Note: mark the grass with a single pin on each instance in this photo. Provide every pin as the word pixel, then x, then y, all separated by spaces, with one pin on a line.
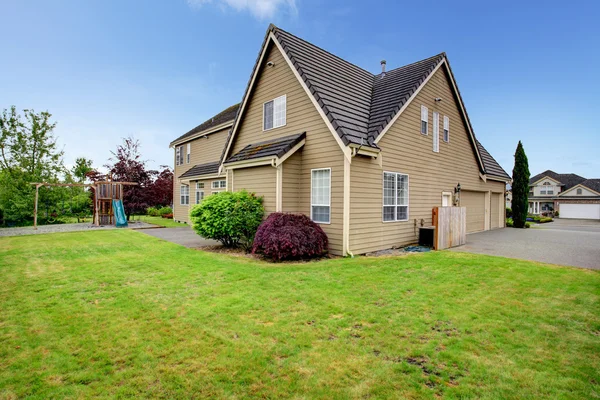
pixel 166 222
pixel 122 314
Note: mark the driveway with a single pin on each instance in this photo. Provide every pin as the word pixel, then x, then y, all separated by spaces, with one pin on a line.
pixel 563 242
pixel 184 236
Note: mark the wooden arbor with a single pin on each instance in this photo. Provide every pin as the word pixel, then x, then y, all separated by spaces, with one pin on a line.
pixel 104 193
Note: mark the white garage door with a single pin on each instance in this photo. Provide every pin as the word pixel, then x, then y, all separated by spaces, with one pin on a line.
pixel 580 211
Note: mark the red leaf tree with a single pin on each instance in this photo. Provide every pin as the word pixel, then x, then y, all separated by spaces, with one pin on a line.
pixel 127 165
pixel 161 190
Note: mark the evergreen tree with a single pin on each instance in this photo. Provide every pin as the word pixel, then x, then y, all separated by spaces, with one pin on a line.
pixel 520 187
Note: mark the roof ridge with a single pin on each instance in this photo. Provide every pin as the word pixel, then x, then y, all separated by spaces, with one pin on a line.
pixel 442 54
pixel 273 27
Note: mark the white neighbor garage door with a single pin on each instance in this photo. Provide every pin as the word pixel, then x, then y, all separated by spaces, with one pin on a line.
pixel 580 211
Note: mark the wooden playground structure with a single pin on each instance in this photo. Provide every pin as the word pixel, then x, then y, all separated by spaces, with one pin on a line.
pixel 104 193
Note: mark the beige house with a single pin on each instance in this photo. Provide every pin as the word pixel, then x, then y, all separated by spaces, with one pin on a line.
pixel 572 195
pixel 367 156
pixel 197 162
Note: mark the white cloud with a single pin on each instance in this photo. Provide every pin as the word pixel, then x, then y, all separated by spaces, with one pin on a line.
pixel 261 9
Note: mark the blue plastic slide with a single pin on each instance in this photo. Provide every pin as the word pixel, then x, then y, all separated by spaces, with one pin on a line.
pixel 120 217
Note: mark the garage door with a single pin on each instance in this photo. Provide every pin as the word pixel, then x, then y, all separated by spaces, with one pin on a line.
pixel 475 203
pixel 495 223
pixel 580 211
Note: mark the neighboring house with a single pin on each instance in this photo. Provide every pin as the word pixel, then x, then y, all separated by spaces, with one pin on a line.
pixel 367 156
pixel 509 198
pixel 197 161
pixel 572 195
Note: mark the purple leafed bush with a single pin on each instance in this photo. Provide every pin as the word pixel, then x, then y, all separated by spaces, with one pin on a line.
pixel 289 237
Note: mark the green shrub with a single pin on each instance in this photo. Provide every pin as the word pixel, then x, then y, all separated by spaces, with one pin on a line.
pixel 509 222
pixel 508 212
pixel 152 211
pixel 544 220
pixel 527 225
pixel 165 210
pixel 232 218
pixel 556 213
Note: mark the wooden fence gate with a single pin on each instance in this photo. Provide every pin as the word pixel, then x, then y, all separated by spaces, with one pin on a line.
pixel 450 227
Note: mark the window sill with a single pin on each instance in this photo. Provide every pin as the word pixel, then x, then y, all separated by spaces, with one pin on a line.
pixel 275 127
pixel 396 220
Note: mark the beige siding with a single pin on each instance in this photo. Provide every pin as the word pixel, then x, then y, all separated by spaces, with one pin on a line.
pixel 181 212
pixel 406 150
pixel 320 151
pixel 292 170
pixel 203 150
pixel 259 180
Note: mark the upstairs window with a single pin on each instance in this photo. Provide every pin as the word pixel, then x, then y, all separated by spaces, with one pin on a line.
pixel 579 191
pixel 189 150
pixel 424 119
pixel 395 197
pixel 219 185
pixel 320 204
pixel 274 113
pixel 446 129
pixel 179 155
pixel 199 185
pixel 184 193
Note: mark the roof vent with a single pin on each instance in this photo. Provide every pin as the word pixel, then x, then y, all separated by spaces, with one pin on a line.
pixel 383 66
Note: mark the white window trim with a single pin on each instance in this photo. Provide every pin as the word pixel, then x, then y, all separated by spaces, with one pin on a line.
pixel 263 113
pixel 199 185
pixel 197 193
pixel 218 184
pixel 436 132
pixel 396 205
pixel 311 196
pixel 181 196
pixel 189 151
pixel 447 194
pixel 177 154
pixel 446 128
pixel 424 110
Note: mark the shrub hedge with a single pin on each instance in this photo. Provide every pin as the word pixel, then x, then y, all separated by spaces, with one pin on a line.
pixel 290 237
pixel 229 217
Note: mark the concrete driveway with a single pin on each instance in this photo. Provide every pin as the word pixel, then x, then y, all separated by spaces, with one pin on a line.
pixel 564 242
pixel 184 236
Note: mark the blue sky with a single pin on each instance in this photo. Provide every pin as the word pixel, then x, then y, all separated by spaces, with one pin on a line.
pixel 155 69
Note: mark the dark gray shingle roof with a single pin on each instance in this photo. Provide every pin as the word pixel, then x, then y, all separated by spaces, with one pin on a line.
pixel 357 103
pixel 593 184
pixel 226 115
pixel 567 180
pixel 393 89
pixel 490 164
pixel 202 169
pixel 271 148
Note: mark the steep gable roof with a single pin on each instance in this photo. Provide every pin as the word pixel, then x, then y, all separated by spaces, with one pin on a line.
pixel 224 116
pixel 357 105
pixel 392 89
pixel 567 180
pixel 490 164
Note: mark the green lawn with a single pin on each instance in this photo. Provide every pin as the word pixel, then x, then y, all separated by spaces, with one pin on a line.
pixel 122 314
pixel 166 222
